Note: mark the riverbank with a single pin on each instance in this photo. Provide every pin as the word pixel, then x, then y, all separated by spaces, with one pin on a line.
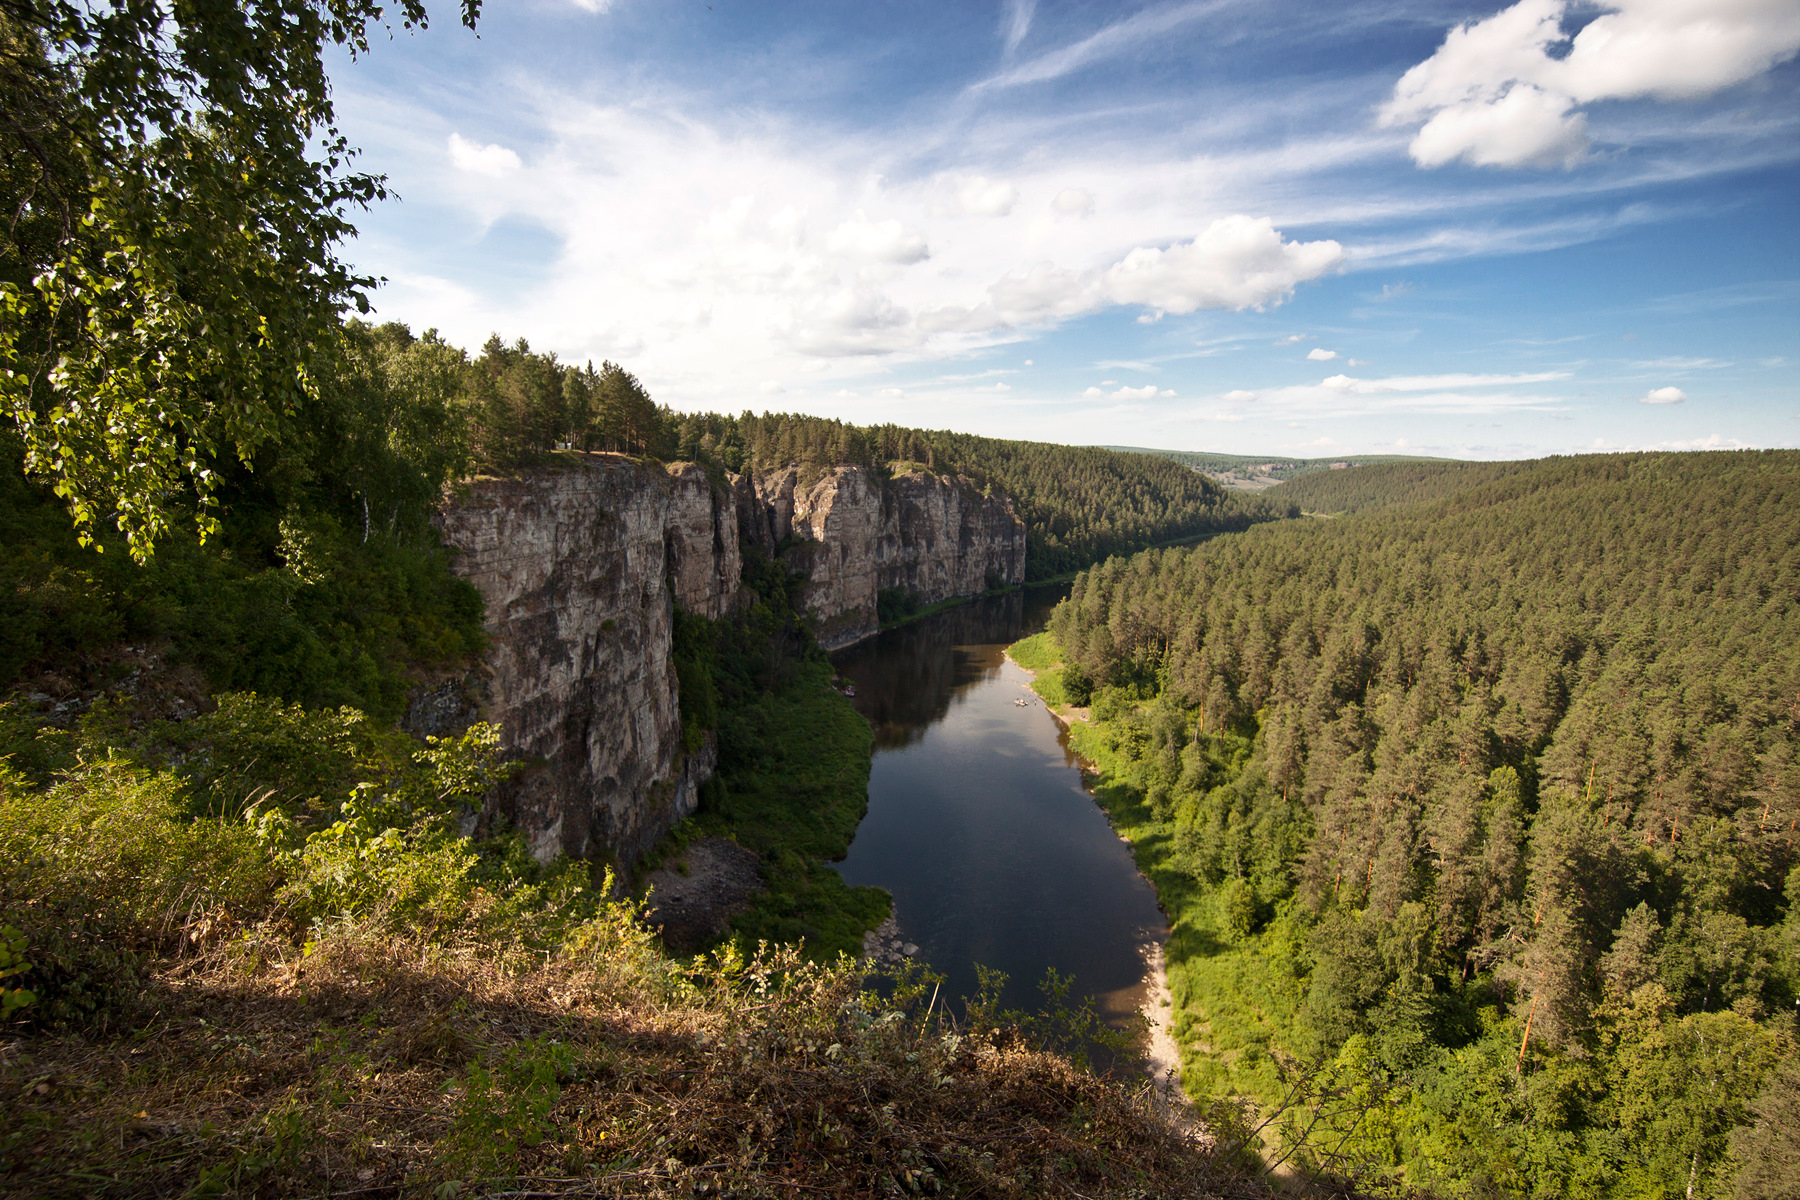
pixel 1037 657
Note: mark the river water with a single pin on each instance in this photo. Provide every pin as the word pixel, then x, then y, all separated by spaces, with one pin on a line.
pixel 978 822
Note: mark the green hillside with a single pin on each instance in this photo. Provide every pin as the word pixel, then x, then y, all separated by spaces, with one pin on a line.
pixel 1255 472
pixel 1478 813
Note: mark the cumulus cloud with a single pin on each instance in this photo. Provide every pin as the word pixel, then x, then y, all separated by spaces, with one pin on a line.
pixel 757 254
pixel 1238 262
pixel 1320 354
pixel 1294 339
pixel 1073 202
pixel 1663 395
pixel 1507 91
pixel 494 161
pixel 878 241
pixel 1524 127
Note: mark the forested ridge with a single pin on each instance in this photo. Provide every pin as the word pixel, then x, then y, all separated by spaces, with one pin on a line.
pixel 1480 810
pixel 1079 503
pixel 1378 485
pixel 1279 467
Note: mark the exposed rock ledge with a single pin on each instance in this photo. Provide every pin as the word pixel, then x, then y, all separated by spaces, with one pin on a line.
pixel 581 567
pixel 856 534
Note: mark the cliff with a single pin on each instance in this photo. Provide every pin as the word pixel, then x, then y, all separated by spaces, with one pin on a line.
pixel 855 535
pixel 580 568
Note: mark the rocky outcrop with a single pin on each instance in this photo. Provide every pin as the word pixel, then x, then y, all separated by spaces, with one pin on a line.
pixel 580 568
pixel 856 534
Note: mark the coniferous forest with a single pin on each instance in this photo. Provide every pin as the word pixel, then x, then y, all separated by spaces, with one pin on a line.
pixel 1475 811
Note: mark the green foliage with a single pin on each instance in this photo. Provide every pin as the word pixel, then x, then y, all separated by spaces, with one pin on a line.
pixel 793 771
pixel 1490 790
pixel 1039 652
pixel 123 857
pixel 692 651
pixel 287 604
pixel 171 270
pixel 505 1106
pixel 895 604
pixel 105 867
pixel 1381 484
pixel 13 963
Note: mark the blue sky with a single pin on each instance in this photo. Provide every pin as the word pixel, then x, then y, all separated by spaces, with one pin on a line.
pixel 1253 226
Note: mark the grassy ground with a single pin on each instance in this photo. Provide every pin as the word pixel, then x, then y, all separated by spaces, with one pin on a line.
pixel 282 1004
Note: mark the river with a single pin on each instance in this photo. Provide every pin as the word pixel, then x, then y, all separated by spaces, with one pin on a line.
pixel 978 822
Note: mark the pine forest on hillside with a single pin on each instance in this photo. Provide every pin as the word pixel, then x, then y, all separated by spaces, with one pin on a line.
pixel 1482 802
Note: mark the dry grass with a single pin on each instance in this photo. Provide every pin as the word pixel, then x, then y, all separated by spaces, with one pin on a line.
pixel 374 1068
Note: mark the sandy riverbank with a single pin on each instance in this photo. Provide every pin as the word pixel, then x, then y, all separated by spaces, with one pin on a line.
pixel 1162 1058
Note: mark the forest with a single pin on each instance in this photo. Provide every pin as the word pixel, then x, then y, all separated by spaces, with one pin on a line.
pixel 1079 504
pixel 1475 810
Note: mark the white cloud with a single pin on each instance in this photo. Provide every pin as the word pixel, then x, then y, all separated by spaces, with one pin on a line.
pixel 980 196
pixel 1507 91
pixel 1110 41
pixel 1432 383
pixel 1294 338
pixel 1681 363
pixel 1663 395
pixel 1524 127
pixel 594 6
pixel 1015 23
pixel 1344 396
pixel 1073 202
pixel 1320 354
pixel 1148 392
pixel 494 161
pixel 1238 262
pixel 878 241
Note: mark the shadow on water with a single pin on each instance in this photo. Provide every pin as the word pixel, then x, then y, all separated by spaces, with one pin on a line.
pixel 906 678
pixel 978 822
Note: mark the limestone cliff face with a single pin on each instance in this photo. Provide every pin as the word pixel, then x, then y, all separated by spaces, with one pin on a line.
pixel 580 568
pixel 856 534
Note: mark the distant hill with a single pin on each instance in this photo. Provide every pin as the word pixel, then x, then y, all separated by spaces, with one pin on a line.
pixel 1381 484
pixel 1254 473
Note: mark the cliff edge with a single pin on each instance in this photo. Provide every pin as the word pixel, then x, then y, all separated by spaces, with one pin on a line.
pixel 581 565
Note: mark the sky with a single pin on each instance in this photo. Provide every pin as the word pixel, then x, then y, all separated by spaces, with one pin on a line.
pixel 1244 226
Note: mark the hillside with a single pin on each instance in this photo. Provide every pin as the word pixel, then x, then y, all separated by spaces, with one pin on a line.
pixel 1377 485
pixel 1480 808
pixel 1255 473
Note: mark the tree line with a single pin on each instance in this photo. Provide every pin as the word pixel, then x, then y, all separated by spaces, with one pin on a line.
pixel 1495 796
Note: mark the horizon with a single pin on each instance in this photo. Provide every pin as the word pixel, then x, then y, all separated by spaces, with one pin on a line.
pixel 1429 229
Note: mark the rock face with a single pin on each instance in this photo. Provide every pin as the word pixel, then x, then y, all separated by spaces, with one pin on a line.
pixel 856 535
pixel 580 568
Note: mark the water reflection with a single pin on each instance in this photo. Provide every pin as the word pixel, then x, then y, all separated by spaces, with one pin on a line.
pixel 978 822
pixel 907 678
